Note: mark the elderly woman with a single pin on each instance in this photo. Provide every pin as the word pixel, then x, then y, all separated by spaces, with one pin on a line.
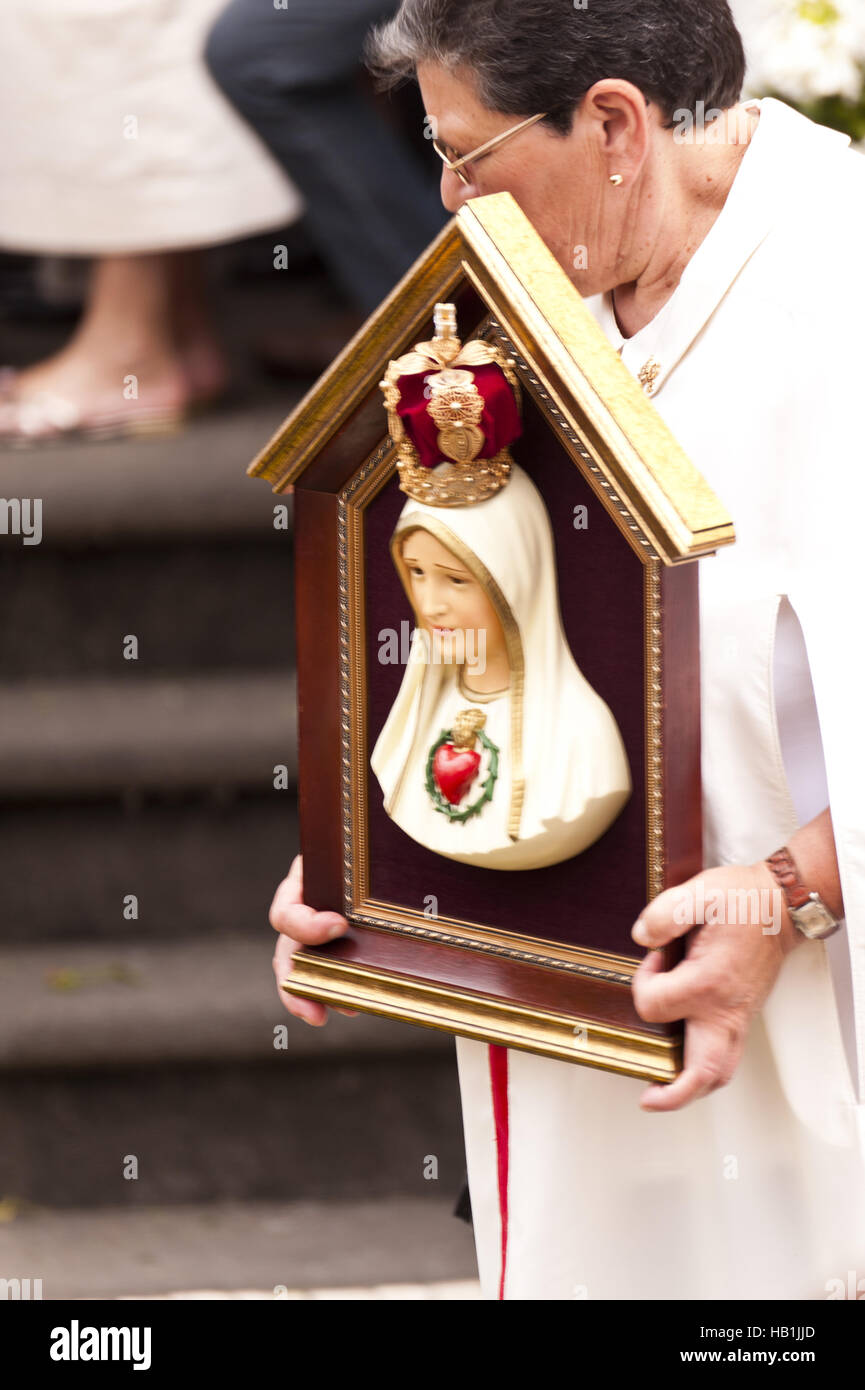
pixel 720 251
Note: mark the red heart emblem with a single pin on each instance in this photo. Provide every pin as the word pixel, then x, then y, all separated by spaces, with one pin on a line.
pixel 454 770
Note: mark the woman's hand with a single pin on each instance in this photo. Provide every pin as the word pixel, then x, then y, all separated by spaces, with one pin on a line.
pixel 299 925
pixel 731 963
pixel 735 947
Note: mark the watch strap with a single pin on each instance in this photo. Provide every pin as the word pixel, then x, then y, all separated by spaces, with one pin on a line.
pixel 785 871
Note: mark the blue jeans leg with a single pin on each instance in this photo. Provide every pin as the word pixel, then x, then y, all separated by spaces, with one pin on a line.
pixel 293 74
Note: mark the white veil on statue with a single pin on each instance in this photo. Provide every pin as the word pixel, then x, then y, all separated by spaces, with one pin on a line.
pixel 563 774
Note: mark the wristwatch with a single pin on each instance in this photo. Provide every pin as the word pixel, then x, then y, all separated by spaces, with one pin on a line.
pixel 809 913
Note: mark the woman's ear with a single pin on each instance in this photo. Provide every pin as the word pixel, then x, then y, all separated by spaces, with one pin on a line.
pixel 620 123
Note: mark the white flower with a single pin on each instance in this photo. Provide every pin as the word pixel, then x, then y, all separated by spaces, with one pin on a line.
pixel 807 49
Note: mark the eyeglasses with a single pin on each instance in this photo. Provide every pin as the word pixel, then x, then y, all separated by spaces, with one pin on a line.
pixel 456 165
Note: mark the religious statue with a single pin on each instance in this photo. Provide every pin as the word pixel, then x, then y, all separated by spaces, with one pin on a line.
pixel 496 752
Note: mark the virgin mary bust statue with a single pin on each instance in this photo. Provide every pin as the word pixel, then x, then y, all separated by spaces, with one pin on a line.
pixel 496 752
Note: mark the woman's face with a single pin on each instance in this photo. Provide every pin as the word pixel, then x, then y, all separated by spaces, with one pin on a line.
pixel 561 182
pixel 450 602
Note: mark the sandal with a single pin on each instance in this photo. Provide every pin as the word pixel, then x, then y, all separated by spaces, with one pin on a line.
pixel 46 418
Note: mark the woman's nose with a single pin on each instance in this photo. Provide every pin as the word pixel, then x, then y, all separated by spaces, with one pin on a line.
pixel 454 192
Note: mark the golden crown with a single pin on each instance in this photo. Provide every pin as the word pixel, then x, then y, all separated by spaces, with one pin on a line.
pixel 452 435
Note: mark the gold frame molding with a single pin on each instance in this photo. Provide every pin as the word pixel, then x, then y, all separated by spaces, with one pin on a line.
pixel 658 500
pixel 370 478
pixel 492 243
pixel 484 1018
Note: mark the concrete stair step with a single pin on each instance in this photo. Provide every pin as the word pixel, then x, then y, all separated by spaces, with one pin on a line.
pixel 275 1248
pixel 89 738
pixel 204 865
pixel 166 1055
pixel 343 1125
pixel 192 483
pixel 193 605
pixel 142 1003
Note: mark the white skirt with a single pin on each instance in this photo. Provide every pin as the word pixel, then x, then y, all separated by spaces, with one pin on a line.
pixel 115 138
pixel 757 1191
pixel 578 1194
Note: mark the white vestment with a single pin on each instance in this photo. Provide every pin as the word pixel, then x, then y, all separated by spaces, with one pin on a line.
pixel 756 1191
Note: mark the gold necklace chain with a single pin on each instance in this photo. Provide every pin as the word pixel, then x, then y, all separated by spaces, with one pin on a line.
pixel 482 696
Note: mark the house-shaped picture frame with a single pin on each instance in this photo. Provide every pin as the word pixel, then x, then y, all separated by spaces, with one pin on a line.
pixel 539 958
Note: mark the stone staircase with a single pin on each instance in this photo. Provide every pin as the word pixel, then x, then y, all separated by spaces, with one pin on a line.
pixel 141 838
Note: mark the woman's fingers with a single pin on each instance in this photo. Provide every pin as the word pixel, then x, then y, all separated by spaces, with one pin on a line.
pixel 291 916
pixel 665 996
pixel 307 1009
pixel 300 925
pixel 288 893
pixel 712 1054
pixel 308 927
pixel 669 915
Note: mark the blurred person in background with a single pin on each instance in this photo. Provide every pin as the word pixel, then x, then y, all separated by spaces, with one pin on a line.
pixel 294 72
pixel 119 147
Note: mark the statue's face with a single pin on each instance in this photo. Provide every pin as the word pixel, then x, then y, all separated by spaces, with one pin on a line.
pixel 449 600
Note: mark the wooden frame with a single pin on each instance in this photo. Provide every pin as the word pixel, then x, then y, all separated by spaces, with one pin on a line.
pixel 531 979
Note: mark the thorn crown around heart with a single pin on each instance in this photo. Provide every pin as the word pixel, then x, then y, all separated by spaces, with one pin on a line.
pixel 453 764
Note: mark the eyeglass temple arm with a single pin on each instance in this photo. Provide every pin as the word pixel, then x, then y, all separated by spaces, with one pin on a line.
pixel 496 140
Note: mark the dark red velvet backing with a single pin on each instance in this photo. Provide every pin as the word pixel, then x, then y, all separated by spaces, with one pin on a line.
pixel 593 899
pixel 500 421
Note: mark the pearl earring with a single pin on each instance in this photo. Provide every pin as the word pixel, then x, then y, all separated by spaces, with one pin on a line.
pixel 617 179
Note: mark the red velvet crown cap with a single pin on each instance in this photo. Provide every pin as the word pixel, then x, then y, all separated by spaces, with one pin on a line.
pixel 500 421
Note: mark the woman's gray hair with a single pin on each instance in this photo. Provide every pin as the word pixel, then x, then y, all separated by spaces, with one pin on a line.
pixel 544 55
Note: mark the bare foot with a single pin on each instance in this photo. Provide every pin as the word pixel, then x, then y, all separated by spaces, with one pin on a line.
pixel 74 389
pixel 143 353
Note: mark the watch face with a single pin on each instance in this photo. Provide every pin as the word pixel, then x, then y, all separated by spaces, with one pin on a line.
pixel 814 919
